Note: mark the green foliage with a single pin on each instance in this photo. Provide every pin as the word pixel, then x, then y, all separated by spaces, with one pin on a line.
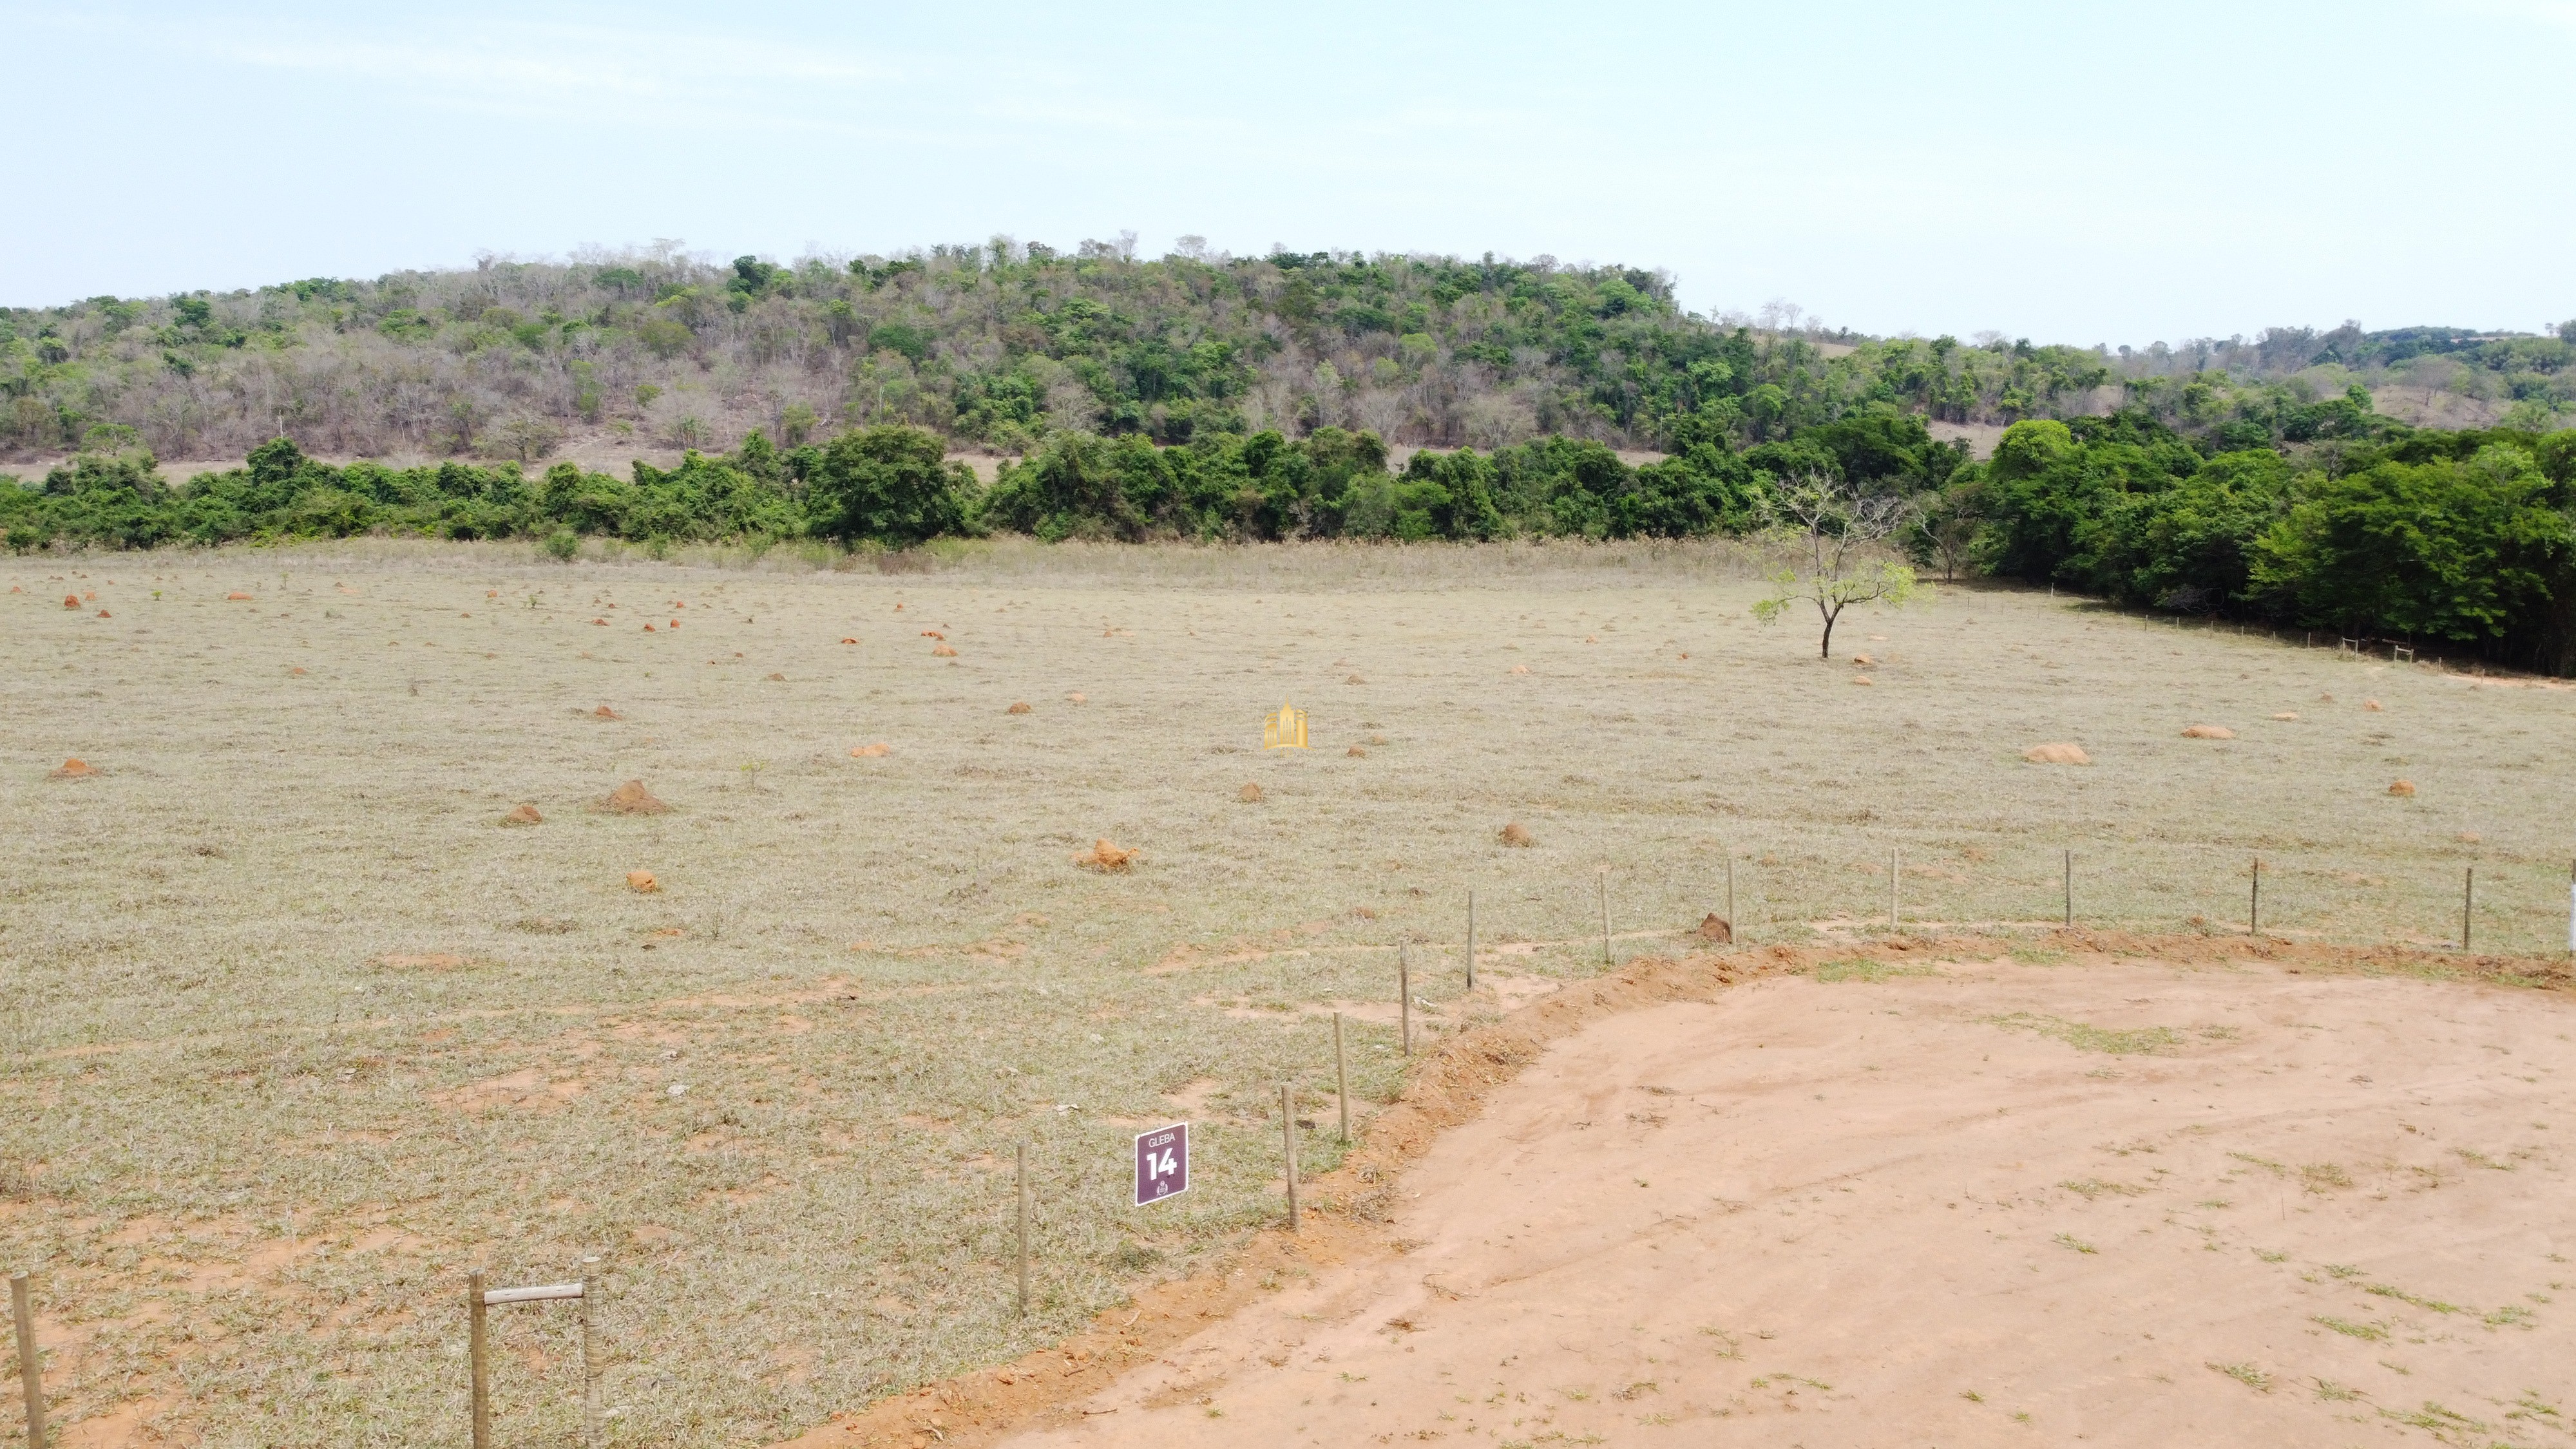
pixel 2437 550
pixel 890 485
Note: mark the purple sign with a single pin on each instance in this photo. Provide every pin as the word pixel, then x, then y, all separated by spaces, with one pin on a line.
pixel 1162 1163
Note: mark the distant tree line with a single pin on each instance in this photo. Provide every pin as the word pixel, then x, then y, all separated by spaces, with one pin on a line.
pixel 1001 345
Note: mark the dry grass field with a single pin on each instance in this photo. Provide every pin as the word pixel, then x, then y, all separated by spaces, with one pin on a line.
pixel 293 1030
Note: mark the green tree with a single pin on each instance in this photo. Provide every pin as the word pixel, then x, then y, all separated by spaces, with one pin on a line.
pixel 2440 550
pixel 890 484
pixel 1834 540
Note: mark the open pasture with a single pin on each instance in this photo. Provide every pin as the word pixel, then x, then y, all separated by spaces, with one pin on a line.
pixel 296 1030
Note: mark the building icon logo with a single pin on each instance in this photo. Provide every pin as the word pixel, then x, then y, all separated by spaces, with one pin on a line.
pixel 1285 730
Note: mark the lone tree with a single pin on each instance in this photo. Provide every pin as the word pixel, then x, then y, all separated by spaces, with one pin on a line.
pixel 1835 541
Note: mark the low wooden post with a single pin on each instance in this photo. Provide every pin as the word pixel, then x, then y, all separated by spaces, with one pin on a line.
pixel 1471 940
pixel 2254 902
pixel 1020 1158
pixel 1606 958
pixel 31 1373
pixel 589 1355
pixel 1342 1077
pixel 475 1350
pixel 1404 994
pixel 2070 890
pixel 1288 1134
pixel 2468 898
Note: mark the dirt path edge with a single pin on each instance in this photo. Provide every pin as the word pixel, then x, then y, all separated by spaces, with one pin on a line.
pixel 1346 1211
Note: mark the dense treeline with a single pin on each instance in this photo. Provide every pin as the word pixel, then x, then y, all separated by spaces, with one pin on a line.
pixel 2465 538
pixel 1001 345
pixel 2332 517
pixel 1208 397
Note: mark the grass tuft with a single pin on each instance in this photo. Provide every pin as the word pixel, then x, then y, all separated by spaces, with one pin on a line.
pixel 2145 1040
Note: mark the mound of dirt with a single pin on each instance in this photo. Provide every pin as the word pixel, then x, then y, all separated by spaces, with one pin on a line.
pixel 1863 679
pixel 1018 706
pixel 1717 929
pixel 849 641
pixel 1105 856
pixel 2208 732
pixel 1520 669
pixel 2287 714
pixel 1250 794
pixel 1077 697
pixel 632 798
pixel 776 678
pixel 604 712
pixel 71 601
pixel 237 598
pixel 1354 679
pixel 2371 704
pixel 2061 752
pixel 1357 753
pixel 942 651
pixel 1516 834
pixel 870 752
pixel 74 769
pixel 2402 788
pixel 104 614
pixel 1862 659
pixel 932 634
pixel 2325 699
pixel 642 882
pixel 523 815
pixel 298 669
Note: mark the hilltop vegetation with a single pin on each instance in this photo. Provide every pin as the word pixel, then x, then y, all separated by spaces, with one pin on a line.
pixel 998 346
pixel 1215 398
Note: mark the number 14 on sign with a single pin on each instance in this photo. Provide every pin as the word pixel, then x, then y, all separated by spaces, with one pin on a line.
pixel 1162 1163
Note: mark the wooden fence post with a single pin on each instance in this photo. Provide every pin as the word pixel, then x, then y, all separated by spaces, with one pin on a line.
pixel 1342 1077
pixel 31 1373
pixel 1404 993
pixel 589 1355
pixel 1731 927
pixel 1471 940
pixel 1288 1132
pixel 475 1354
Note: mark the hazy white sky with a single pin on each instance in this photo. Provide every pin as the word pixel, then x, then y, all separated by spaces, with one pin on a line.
pixel 2069 172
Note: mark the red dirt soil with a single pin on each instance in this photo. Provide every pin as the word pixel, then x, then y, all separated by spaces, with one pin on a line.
pixel 1837 1211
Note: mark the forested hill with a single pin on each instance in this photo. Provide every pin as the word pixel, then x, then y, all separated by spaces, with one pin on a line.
pixel 997 346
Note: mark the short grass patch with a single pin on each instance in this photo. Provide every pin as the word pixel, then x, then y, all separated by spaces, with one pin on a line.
pixel 1861 968
pixel 2085 1037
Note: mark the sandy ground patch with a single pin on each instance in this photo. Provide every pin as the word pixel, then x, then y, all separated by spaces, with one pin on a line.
pixel 2129 1204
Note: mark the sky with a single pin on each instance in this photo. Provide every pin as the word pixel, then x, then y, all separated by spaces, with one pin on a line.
pixel 2080 173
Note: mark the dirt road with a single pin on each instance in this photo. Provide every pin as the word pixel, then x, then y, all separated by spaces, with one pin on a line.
pixel 2123 1204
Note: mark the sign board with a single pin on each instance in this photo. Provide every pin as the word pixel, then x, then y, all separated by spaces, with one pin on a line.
pixel 1162 1163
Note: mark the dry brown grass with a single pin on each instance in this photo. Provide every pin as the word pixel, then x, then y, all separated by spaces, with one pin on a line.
pixel 202 1034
